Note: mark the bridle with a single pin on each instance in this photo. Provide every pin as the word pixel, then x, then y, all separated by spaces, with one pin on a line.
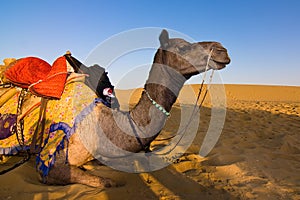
pixel 163 110
pixel 196 105
pixel 203 80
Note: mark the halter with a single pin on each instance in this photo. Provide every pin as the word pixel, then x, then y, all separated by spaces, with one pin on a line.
pixel 163 110
pixel 196 105
pixel 203 80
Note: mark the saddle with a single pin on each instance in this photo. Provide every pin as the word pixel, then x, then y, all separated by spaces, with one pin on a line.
pixel 39 77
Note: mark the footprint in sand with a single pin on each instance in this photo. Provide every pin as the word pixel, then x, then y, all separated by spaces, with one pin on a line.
pixel 290 146
pixel 222 160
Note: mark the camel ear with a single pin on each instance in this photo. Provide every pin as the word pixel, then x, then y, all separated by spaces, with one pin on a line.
pixel 164 39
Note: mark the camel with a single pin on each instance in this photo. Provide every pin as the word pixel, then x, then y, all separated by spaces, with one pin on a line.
pixel 175 61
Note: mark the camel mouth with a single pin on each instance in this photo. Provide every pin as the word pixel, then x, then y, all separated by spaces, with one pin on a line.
pixel 219 65
pixel 224 61
pixel 220 58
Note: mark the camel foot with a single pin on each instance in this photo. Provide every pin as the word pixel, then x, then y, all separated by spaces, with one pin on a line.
pixel 66 174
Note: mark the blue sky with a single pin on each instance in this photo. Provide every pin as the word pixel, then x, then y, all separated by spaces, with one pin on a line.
pixel 262 36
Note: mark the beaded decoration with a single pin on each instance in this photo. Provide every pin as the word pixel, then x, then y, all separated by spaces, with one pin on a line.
pixel 158 106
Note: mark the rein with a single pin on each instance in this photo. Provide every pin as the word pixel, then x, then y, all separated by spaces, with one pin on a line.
pixel 196 105
pixel 158 106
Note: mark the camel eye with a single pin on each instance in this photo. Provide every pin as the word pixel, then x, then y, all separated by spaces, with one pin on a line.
pixel 185 48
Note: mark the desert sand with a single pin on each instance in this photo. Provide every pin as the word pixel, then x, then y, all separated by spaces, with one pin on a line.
pixel 256 157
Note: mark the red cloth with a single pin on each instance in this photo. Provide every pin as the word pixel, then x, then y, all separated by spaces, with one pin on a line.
pixel 26 71
pixel 53 84
pixel 37 75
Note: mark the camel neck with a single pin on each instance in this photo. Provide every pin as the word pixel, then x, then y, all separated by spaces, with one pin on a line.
pixel 163 86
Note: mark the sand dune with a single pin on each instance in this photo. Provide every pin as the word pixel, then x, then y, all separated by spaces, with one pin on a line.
pixel 256 157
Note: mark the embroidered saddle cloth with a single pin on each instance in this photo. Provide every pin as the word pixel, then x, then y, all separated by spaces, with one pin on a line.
pixel 6 123
pixel 75 98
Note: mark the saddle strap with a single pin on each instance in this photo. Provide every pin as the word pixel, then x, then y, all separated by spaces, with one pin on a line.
pixel 19 126
pixel 7 93
pixel 37 139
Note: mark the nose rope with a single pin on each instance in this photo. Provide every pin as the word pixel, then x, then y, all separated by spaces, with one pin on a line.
pixel 203 80
pixel 207 64
pixel 184 130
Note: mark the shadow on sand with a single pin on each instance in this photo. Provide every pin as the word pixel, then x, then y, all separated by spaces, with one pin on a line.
pixel 262 145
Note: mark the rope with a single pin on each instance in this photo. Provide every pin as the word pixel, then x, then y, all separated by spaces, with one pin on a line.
pixel 183 132
pixel 37 137
pixel 19 126
pixel 18 129
pixel 195 106
pixel 39 81
pixel 6 85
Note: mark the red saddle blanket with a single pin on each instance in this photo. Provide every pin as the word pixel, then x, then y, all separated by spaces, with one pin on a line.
pixel 38 76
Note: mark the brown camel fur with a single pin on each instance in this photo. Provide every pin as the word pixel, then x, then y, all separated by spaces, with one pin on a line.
pixel 175 61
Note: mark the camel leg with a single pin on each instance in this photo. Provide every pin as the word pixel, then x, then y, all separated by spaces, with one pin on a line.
pixel 71 174
pixel 63 174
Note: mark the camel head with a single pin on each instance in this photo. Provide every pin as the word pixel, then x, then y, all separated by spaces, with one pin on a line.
pixel 190 58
